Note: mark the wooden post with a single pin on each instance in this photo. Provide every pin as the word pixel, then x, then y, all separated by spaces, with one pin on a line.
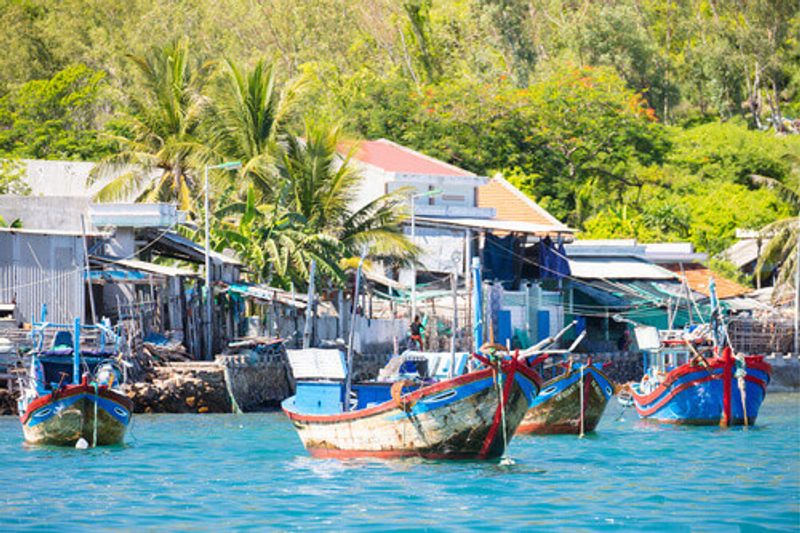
pixel 454 289
pixel 352 336
pixel 340 324
pixel 309 307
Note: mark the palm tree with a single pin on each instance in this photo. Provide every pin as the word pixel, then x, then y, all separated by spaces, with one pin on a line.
pixel 160 148
pixel 782 235
pixel 271 240
pixel 245 111
pixel 320 185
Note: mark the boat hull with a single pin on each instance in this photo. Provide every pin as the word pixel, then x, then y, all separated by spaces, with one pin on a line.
pixel 557 409
pixel 64 417
pixel 460 418
pixel 696 395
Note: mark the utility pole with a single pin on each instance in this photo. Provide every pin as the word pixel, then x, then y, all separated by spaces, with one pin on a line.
pixel 309 307
pixel 454 289
pixel 231 165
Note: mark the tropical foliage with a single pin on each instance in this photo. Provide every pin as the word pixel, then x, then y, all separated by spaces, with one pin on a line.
pixel 642 118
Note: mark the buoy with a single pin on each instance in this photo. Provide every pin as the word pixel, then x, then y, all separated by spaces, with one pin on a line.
pixel 82 444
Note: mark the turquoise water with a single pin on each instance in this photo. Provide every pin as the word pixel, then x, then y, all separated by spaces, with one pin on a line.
pixel 212 472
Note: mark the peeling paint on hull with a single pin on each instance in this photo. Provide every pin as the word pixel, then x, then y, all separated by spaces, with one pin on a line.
pixel 465 425
pixel 559 411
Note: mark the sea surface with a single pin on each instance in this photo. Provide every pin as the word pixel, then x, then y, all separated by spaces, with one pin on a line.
pixel 215 472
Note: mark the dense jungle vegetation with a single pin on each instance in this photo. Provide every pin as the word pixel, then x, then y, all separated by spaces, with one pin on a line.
pixel 655 119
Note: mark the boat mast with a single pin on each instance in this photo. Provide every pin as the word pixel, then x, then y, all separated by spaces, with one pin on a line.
pixel 76 353
pixel 477 309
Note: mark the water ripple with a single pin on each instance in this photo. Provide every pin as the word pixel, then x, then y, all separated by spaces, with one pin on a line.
pixel 209 472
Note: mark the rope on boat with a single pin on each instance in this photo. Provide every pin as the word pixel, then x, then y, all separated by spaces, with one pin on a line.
pixel 94 428
pixel 229 388
pixel 581 435
pixel 498 381
pixel 740 374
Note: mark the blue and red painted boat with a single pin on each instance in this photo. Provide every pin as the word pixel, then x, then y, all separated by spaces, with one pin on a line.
pixel 71 392
pixel 574 399
pixel 722 390
pixel 570 403
pixel 693 377
pixel 469 415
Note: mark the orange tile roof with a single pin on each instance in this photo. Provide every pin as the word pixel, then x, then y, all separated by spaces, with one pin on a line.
pixel 512 204
pixel 697 276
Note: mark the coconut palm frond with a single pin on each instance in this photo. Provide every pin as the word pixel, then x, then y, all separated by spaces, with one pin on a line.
pixel 784 191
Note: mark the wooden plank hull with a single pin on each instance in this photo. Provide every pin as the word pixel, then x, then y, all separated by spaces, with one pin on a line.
pixel 460 418
pixel 64 417
pixel 557 409
pixel 696 395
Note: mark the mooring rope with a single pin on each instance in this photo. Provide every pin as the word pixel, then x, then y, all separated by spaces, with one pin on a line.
pixel 94 429
pixel 741 373
pixel 580 436
pixel 498 381
pixel 229 387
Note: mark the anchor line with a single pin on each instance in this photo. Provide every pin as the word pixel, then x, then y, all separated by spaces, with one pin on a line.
pixel 582 406
pixel 94 429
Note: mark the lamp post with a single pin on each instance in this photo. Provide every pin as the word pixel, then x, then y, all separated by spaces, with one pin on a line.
pixel 232 165
pixel 426 194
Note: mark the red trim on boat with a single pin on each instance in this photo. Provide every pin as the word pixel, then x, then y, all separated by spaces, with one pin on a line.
pixel 498 414
pixel 752 361
pixel 682 387
pixel 73 390
pixel 390 405
pixel 727 379
pixel 332 453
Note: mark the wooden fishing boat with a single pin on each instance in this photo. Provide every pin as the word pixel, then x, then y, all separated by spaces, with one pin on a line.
pixel 472 416
pixel 571 403
pixel 441 414
pixel 71 392
pixel 691 381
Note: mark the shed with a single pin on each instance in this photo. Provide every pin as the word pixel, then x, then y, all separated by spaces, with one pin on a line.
pixel 43 267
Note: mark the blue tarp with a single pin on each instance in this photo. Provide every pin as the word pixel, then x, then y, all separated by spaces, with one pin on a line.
pixel 553 260
pixel 498 258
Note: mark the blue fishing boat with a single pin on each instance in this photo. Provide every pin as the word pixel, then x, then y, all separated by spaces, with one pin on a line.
pixel 574 399
pixel 473 415
pixel 690 381
pixel 693 377
pixel 71 392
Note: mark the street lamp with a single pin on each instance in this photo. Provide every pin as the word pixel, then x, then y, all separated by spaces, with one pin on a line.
pixel 426 194
pixel 231 165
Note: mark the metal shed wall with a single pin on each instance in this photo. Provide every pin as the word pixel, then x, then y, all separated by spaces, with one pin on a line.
pixel 38 269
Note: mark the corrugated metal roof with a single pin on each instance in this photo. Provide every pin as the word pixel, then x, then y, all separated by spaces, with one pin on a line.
pixel 144 266
pixel 510 226
pixel 54 232
pixel 742 252
pixel 616 268
pixel 171 243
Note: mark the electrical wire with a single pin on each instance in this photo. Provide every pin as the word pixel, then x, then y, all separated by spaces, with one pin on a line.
pixel 622 288
pixel 83 269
